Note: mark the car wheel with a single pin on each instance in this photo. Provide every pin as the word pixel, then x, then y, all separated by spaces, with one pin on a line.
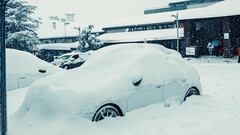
pixel 190 92
pixel 106 111
pixel 66 67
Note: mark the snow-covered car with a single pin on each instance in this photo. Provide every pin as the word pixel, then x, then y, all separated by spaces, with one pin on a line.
pixel 114 80
pixel 24 68
pixel 71 60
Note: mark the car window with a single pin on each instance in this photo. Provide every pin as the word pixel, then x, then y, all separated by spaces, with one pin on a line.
pixel 65 57
pixel 75 56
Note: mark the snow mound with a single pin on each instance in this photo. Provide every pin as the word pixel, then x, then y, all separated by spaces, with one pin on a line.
pixel 22 68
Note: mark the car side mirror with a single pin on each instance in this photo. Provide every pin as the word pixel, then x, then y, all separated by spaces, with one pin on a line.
pixel 136 78
pixel 137 83
pixel 42 71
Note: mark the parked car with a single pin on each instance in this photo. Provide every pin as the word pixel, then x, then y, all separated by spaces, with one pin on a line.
pixel 24 68
pixel 71 60
pixel 114 80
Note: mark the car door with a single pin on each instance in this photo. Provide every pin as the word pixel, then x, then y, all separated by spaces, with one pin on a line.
pixel 175 89
pixel 144 95
pixel 149 91
pixel 76 62
pixel 15 81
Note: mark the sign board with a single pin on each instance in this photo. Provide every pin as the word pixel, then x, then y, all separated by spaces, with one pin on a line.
pixel 226 35
pixel 191 51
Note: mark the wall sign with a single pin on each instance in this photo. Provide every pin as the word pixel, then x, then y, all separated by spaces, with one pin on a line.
pixel 190 51
pixel 226 35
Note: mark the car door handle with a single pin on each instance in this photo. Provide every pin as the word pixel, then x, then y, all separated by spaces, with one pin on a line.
pixel 159 86
pixel 183 80
pixel 22 77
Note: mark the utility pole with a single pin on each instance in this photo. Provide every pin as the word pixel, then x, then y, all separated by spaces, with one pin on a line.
pixel 3 95
pixel 65 30
pixel 79 33
pixel 177 25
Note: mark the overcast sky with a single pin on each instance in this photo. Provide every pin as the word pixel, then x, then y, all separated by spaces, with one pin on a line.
pixel 95 11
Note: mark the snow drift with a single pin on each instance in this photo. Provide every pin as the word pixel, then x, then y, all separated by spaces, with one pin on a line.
pixel 23 69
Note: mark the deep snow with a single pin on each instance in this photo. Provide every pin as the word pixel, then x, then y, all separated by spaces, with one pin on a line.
pixel 217 112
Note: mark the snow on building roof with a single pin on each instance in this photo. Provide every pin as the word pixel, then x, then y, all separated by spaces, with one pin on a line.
pixel 58 46
pixel 97 29
pixel 164 34
pixel 165 4
pixel 220 9
pixel 47 29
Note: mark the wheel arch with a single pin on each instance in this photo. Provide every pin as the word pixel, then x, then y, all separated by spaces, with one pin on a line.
pixel 110 104
pixel 193 87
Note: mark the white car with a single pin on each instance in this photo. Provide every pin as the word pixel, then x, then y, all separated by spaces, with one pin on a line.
pixel 23 68
pixel 71 60
pixel 114 80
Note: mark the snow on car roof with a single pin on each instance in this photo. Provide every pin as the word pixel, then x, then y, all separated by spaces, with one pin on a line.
pixel 110 63
pixel 20 62
pixel 133 51
pixel 164 34
pixel 221 9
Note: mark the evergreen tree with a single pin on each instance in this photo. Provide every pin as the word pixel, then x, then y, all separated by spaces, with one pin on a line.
pixel 20 26
pixel 88 41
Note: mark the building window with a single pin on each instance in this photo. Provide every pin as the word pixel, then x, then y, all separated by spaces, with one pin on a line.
pixel 46 41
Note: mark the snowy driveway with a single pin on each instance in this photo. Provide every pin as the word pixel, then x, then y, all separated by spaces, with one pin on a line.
pixel 217 112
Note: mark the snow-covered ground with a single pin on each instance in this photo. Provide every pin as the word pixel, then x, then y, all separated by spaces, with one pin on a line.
pixel 217 112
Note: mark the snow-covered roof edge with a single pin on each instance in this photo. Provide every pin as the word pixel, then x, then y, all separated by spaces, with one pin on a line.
pixel 58 46
pixel 220 9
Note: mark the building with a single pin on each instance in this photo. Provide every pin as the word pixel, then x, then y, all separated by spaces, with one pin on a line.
pixel 197 27
pixel 51 31
pixel 54 31
pixel 57 37
pixel 48 51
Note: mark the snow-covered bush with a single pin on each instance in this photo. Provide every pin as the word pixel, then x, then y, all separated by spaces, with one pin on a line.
pixel 88 41
pixel 20 26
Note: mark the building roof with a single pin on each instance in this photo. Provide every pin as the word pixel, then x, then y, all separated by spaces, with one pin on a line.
pixel 220 9
pixel 47 30
pixel 151 35
pixel 58 46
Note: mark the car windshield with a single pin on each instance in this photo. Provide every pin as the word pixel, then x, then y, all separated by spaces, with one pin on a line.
pixel 65 57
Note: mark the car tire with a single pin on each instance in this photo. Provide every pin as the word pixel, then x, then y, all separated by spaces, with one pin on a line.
pixel 66 67
pixel 191 92
pixel 106 111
